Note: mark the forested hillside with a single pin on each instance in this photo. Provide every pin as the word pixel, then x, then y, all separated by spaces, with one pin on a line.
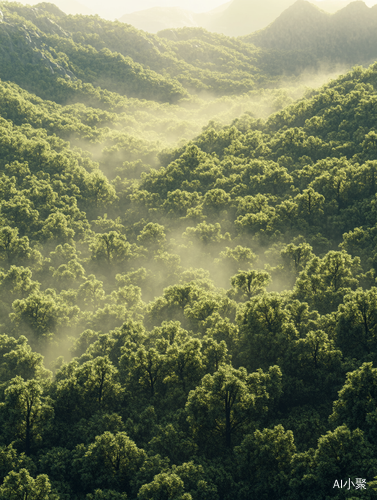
pixel 188 301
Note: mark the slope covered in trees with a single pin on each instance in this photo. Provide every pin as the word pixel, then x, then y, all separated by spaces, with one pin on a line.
pixel 185 322
pixel 87 59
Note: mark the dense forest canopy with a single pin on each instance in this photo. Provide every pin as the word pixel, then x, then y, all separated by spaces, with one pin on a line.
pixel 188 301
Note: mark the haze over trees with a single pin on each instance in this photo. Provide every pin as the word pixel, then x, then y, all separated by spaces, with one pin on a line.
pixel 188 302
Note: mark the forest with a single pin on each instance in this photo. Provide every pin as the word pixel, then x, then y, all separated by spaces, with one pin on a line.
pixel 188 301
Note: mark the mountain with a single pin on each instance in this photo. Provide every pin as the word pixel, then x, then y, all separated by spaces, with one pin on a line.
pixel 331 6
pixel 245 16
pixel 68 53
pixel 349 35
pixel 118 58
pixel 235 18
pixel 242 17
pixel 160 18
pixel 300 26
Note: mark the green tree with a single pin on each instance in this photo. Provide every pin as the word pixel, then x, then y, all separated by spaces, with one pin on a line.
pixel 112 248
pixel 80 391
pixel 99 191
pixel 357 401
pixel 185 364
pixel 57 464
pixel 20 485
pixel 324 282
pixel 310 205
pixel 205 233
pixel 56 228
pixel 90 293
pixel 170 442
pixel 10 461
pixel 40 314
pixel 18 359
pixel 165 485
pixel 152 235
pixel 295 257
pixel 196 481
pixel 147 366
pixel 316 366
pixel 214 354
pixel 264 463
pixel 17 283
pixel 246 284
pixel 228 402
pixel 17 250
pixel 356 330
pixel 20 213
pixel 215 202
pixel 110 462
pixel 266 331
pixel 25 412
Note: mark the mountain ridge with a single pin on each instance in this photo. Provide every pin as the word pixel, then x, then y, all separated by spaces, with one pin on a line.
pixel 349 35
pixel 235 18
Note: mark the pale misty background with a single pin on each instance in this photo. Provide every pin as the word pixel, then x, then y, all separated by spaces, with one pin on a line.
pixel 115 9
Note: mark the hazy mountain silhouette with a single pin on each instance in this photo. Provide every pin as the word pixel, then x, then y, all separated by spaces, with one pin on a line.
pixel 160 18
pixel 299 26
pixel 235 18
pixel 349 35
pixel 245 16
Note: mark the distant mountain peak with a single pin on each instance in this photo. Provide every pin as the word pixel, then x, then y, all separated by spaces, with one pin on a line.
pixel 353 7
pixel 303 7
pixel 302 15
pixel 304 27
pixel 357 4
pixel 235 18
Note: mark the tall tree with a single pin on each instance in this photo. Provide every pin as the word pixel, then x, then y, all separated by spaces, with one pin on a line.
pixel 25 412
pixel 228 402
